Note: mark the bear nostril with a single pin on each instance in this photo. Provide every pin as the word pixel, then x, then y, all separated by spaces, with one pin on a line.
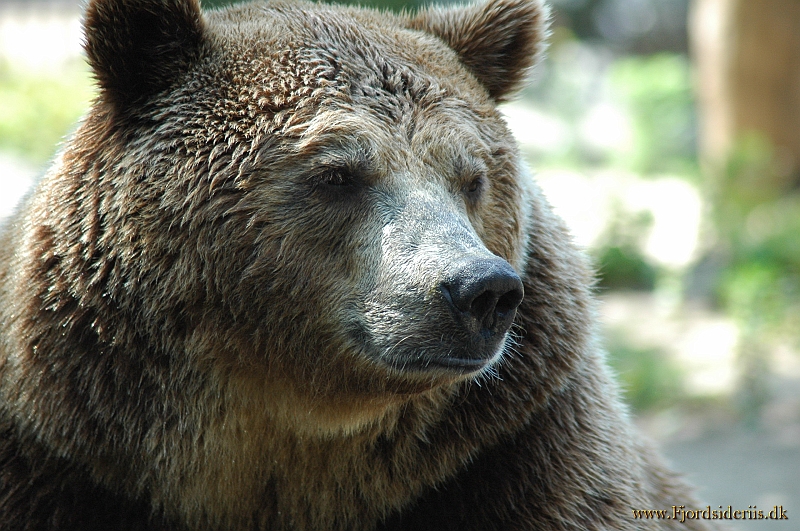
pixel 509 301
pixel 485 293
pixel 482 305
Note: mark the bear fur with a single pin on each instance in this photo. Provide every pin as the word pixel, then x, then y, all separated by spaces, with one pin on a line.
pixel 236 300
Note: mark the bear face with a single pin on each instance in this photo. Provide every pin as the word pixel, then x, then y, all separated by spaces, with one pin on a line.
pixel 346 163
pixel 361 219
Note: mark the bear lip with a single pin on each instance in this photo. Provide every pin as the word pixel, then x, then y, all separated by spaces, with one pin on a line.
pixel 455 364
pixel 458 364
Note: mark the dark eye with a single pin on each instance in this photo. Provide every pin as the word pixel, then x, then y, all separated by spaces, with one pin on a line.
pixel 474 187
pixel 336 183
pixel 337 177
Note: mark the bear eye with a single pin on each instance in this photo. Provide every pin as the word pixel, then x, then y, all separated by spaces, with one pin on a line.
pixel 474 187
pixel 336 183
pixel 337 177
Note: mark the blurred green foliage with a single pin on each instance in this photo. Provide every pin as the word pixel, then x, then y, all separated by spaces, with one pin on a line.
pixel 648 376
pixel 621 264
pixel 657 92
pixel 37 110
pixel 624 267
pixel 757 215
pixel 651 95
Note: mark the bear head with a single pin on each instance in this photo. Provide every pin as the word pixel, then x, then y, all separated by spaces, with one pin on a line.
pixel 330 191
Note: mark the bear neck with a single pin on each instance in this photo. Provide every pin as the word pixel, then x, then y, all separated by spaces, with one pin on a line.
pixel 253 468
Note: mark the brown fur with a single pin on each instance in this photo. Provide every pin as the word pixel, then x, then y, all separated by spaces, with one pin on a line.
pixel 213 302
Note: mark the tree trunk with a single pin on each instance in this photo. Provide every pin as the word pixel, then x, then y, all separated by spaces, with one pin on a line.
pixel 747 60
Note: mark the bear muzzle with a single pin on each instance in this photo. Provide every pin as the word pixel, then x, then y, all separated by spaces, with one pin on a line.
pixel 443 302
pixel 482 295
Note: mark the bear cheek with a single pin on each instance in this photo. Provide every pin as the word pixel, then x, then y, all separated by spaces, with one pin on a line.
pixel 505 214
pixel 503 232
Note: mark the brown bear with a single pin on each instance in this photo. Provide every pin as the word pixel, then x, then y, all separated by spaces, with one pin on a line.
pixel 290 274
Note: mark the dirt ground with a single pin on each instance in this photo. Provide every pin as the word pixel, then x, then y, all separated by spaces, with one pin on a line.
pixel 743 469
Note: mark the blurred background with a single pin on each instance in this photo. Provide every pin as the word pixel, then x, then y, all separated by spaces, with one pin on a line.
pixel 667 134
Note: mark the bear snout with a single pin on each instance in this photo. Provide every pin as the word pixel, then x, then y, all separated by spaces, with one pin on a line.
pixel 483 294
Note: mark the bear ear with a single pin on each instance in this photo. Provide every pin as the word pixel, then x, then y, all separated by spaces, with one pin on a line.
pixel 138 47
pixel 498 41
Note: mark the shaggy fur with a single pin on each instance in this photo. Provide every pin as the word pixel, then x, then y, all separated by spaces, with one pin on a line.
pixel 222 307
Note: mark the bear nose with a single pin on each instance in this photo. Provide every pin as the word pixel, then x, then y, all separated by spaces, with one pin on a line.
pixel 485 294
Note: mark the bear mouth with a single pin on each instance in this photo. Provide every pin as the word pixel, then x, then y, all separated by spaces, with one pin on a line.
pixel 454 364
pixel 462 362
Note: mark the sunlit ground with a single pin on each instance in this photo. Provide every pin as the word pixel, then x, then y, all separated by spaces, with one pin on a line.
pixel 700 432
